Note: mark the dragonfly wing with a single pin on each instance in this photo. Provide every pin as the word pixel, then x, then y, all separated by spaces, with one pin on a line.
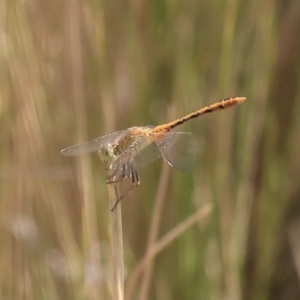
pixel 135 157
pixel 179 150
pixel 145 156
pixel 93 145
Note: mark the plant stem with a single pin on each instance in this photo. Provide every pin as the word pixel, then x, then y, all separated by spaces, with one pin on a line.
pixel 117 286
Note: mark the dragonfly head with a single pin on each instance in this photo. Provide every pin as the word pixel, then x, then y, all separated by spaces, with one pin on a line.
pixel 108 153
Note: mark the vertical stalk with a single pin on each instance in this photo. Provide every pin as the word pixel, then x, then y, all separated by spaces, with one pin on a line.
pixel 116 236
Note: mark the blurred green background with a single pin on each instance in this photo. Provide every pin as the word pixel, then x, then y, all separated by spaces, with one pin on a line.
pixel 75 70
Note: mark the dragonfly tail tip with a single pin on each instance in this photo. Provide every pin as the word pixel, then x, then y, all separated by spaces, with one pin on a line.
pixel 241 99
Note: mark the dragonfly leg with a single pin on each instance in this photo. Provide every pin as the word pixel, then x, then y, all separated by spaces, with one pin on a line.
pixel 112 178
pixel 110 181
pixel 135 181
pixel 123 170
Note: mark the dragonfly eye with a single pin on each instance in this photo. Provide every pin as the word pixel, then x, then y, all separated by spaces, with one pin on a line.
pixel 107 154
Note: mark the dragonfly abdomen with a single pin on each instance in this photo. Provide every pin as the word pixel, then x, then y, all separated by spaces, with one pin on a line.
pixel 226 103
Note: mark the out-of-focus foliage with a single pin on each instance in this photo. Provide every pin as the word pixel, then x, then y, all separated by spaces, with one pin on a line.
pixel 74 70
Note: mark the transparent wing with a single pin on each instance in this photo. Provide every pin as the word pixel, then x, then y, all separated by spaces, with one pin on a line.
pixel 179 150
pixel 140 153
pixel 145 156
pixel 93 145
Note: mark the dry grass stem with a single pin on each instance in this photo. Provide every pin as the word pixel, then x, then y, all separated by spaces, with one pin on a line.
pixel 162 244
pixel 116 237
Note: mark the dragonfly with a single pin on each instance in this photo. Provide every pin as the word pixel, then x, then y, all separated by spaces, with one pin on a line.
pixel 125 152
